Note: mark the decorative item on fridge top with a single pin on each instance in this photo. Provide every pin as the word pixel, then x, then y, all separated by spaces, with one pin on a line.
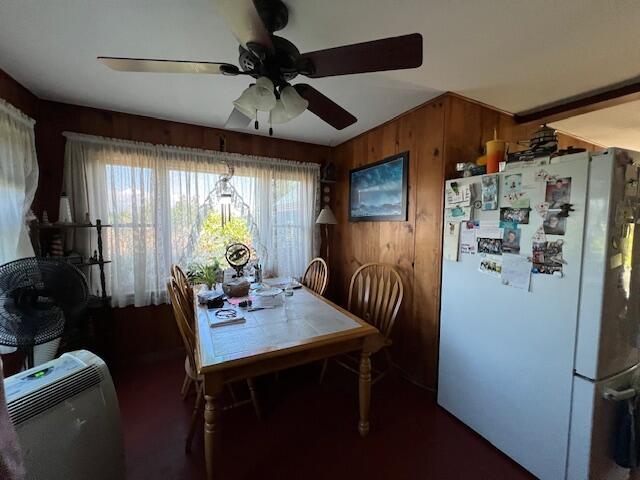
pixel 489 192
pixel 470 169
pixel 570 150
pixel 543 143
pixel 496 150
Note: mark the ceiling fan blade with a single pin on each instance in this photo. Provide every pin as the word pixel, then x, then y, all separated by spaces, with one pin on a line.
pixel 242 18
pixel 394 53
pixel 237 119
pixel 167 66
pixel 325 108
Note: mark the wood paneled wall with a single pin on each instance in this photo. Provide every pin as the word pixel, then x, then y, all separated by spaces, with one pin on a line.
pixel 147 332
pixel 438 134
pixel 18 96
pixel 399 243
pixel 56 118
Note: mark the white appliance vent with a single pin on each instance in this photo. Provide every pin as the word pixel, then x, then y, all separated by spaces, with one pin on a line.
pixel 30 405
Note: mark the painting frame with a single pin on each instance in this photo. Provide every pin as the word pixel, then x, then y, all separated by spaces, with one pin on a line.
pixel 403 190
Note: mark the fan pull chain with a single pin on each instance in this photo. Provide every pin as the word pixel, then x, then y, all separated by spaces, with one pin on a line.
pixel 270 126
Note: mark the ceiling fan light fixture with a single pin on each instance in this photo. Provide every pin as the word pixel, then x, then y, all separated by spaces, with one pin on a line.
pixel 264 96
pixel 245 103
pixel 278 113
pixel 293 103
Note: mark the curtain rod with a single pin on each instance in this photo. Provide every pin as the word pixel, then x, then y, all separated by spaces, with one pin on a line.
pixel 162 148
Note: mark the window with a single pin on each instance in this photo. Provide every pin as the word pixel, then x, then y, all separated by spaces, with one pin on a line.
pixel 163 205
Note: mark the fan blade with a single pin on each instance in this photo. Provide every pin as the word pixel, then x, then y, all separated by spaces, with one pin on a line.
pixel 242 18
pixel 237 119
pixel 167 66
pixel 394 53
pixel 325 108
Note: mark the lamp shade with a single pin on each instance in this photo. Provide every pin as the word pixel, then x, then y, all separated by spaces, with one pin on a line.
pixel 245 103
pixel 293 103
pixel 264 98
pixel 278 114
pixel 326 217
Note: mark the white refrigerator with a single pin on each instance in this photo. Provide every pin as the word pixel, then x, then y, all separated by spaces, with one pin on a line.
pixel 536 371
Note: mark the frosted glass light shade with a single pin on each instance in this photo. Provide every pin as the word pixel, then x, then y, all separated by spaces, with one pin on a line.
pixel 278 113
pixel 293 103
pixel 326 217
pixel 264 98
pixel 246 103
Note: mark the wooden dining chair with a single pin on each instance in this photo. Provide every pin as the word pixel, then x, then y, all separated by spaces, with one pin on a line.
pixel 182 302
pixel 183 283
pixel 180 307
pixel 316 276
pixel 184 286
pixel 375 295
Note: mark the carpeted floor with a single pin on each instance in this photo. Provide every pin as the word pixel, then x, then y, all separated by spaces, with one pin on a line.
pixel 309 431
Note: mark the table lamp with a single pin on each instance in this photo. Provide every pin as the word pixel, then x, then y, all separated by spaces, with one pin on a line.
pixel 326 218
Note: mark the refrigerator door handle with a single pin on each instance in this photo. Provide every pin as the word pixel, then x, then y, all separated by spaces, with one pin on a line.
pixel 619 395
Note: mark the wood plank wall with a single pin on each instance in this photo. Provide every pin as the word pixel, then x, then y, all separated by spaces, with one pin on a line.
pixel 439 134
pixel 18 96
pixel 59 117
pixel 147 332
pixel 141 334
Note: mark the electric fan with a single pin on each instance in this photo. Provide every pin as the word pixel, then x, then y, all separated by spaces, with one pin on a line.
pixel 37 296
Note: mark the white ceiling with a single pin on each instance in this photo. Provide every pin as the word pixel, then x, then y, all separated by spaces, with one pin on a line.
pixel 512 55
pixel 610 127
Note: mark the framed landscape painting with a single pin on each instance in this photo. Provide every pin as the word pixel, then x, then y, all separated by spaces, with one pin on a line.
pixel 378 192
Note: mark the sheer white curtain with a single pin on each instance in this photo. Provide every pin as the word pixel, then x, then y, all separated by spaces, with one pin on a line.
pixel 155 195
pixel 18 181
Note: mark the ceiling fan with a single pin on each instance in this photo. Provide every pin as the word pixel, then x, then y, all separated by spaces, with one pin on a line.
pixel 274 62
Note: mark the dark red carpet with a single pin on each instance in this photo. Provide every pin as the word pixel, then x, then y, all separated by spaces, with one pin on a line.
pixel 309 431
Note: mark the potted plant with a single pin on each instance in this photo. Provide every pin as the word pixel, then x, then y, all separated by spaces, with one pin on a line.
pixel 208 274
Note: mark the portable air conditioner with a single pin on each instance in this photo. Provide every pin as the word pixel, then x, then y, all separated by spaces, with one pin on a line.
pixel 66 415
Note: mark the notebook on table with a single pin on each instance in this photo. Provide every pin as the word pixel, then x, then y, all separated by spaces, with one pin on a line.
pixel 219 317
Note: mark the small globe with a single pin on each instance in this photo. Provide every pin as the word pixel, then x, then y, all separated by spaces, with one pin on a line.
pixel 238 255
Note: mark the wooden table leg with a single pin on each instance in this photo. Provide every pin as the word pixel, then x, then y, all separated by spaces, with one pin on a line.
pixel 365 392
pixel 212 411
